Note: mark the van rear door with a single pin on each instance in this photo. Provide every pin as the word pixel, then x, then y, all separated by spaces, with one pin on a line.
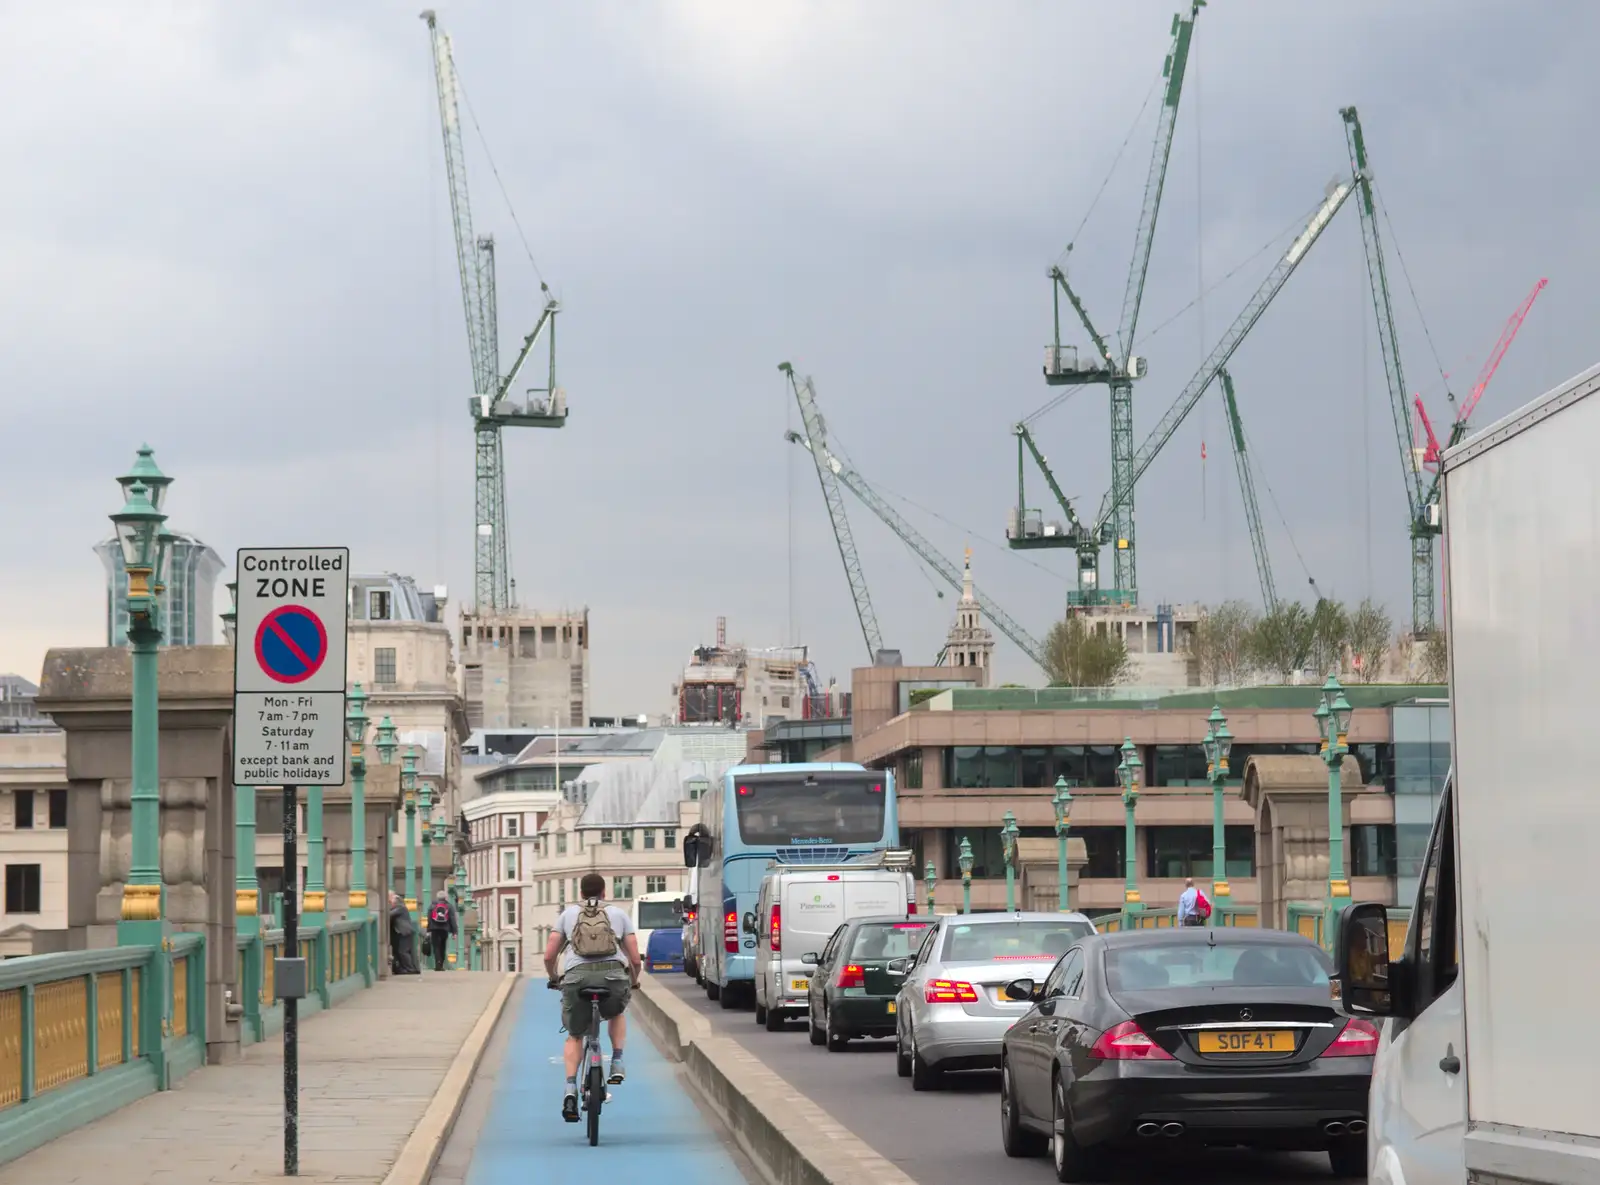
pixel 813 908
pixel 878 895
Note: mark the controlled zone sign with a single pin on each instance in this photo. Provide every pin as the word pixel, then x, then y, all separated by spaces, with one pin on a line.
pixel 289 666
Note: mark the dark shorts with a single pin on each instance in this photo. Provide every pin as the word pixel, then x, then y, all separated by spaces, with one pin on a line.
pixel 575 1010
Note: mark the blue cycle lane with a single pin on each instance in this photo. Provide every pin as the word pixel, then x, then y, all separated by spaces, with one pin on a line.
pixel 649 1129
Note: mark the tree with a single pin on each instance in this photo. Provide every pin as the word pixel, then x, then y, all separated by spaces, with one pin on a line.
pixel 1436 657
pixel 1281 641
pixel 1221 644
pixel 1077 656
pixel 1330 633
pixel 1371 627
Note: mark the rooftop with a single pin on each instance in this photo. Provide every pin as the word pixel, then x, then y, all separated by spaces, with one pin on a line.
pixel 622 794
pixel 1056 699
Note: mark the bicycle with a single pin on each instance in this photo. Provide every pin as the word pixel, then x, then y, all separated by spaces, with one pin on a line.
pixel 591 1065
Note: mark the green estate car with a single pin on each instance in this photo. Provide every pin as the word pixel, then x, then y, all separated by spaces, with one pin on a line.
pixel 852 992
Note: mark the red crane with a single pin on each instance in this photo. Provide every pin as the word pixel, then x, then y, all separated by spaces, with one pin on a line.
pixel 1458 429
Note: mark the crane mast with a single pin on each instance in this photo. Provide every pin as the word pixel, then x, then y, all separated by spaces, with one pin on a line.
pixel 816 430
pixel 1247 490
pixel 490 407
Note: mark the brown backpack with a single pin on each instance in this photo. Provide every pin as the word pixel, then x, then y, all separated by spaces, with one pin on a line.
pixel 592 936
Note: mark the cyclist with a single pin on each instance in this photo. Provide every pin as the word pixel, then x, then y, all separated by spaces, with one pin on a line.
pixel 593 943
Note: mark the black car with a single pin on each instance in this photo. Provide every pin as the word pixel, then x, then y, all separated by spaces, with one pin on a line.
pixel 852 993
pixel 1210 1035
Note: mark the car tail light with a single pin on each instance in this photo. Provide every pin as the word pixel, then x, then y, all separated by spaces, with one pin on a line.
pixel 911 908
pixel 730 933
pixel 950 991
pixel 1358 1038
pixel 1127 1042
pixel 777 926
pixel 851 976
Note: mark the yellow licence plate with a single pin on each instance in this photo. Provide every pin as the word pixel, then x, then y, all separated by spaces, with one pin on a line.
pixel 1247 1041
pixel 799 985
pixel 891 1007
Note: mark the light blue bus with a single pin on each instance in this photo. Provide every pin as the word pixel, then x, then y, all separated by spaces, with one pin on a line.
pixel 813 813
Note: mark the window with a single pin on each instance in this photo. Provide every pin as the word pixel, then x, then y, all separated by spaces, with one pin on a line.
pixel 606 836
pixel 974 766
pixel 669 837
pixel 784 702
pixel 622 888
pixel 627 841
pixel 649 838
pixel 1372 849
pixel 655 884
pixel 22 801
pixel 22 888
pixel 892 940
pixel 562 887
pixel 511 958
pixel 1106 849
pixel 1183 765
pixel 988 858
pixel 383 665
pixel 1174 852
pixel 1067 973
pixel 1160 965
pixel 1433 922
pixel 378 605
pixel 512 826
pixel 985 942
pixel 58 809
pixel 510 858
pixel 561 843
pixel 508 910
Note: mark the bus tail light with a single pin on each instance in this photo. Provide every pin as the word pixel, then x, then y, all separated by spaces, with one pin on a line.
pixel 851 976
pixel 730 932
pixel 777 927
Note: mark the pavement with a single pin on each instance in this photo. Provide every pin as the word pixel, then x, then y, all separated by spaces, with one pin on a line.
pixel 369 1072
pixel 510 1129
pixel 952 1136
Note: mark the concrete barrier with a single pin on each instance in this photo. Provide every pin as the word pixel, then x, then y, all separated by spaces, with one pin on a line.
pixel 790 1139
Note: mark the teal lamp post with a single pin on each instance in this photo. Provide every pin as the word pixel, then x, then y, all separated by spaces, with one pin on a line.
pixel 460 900
pixel 1128 771
pixel 964 862
pixel 930 877
pixel 246 888
pixel 1008 851
pixel 1333 724
pixel 408 785
pixel 425 880
pixel 141 540
pixel 386 745
pixel 355 732
pixel 1217 745
pixel 1062 803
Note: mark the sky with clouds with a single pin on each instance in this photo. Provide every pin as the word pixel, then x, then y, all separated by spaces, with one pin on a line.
pixel 226 231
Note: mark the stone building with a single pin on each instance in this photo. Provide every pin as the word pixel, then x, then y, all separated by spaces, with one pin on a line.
pixel 33 843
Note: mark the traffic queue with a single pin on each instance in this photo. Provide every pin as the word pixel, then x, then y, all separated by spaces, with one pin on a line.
pixel 1106 1044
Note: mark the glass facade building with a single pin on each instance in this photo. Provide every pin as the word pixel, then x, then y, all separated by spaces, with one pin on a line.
pixel 188 609
pixel 1421 732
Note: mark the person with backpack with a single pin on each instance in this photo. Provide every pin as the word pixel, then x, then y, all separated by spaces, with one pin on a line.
pixel 593 944
pixel 441 928
pixel 1193 908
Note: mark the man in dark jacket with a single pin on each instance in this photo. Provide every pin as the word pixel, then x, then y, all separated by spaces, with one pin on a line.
pixel 402 937
pixel 441 926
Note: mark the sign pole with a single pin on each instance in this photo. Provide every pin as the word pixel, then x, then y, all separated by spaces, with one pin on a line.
pixel 291 1004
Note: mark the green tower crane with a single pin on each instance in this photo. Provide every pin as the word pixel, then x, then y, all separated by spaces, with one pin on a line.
pixel 1247 491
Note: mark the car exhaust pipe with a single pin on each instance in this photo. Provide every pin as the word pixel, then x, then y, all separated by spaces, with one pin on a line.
pixel 1355 1127
pixel 1148 1129
pixel 1333 1128
pixel 1172 1130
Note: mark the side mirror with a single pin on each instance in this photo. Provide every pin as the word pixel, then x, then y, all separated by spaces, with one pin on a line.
pixel 1021 989
pixel 899 966
pixel 691 851
pixel 749 923
pixel 1362 982
pixel 810 958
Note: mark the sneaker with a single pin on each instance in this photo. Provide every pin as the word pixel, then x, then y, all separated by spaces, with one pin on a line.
pixel 617 1072
pixel 569 1107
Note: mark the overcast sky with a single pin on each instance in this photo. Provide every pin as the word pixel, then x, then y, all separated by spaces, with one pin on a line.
pixel 225 230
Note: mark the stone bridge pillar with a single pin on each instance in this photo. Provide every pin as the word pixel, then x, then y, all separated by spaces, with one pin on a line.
pixel 88 692
pixel 1289 795
pixel 1039 873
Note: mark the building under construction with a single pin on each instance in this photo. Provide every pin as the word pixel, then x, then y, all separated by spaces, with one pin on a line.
pixel 525 668
pixel 740 686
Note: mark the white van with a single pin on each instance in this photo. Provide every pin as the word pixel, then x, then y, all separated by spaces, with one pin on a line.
pixel 797 912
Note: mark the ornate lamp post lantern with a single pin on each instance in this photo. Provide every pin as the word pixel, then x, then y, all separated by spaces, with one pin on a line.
pixel 1333 724
pixel 1062 803
pixel 1008 851
pixel 964 862
pixel 143 544
pixel 931 879
pixel 355 732
pixel 408 786
pixel 1217 745
pixel 1128 771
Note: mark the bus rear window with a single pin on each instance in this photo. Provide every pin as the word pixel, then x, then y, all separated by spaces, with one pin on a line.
pixel 659 915
pixel 819 809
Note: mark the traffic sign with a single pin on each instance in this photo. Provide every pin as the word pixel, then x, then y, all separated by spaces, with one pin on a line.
pixel 289 666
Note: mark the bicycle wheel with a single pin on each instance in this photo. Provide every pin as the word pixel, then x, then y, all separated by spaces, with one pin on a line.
pixel 596 1090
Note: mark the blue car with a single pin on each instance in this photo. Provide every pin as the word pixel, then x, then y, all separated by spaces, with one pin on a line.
pixel 665 952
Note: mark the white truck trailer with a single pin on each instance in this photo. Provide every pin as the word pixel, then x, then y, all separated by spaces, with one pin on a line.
pixel 1487 1070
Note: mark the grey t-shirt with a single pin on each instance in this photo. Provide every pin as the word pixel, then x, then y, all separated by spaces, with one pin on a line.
pixel 621 926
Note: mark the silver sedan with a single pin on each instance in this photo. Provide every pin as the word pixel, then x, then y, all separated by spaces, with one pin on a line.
pixel 952 1011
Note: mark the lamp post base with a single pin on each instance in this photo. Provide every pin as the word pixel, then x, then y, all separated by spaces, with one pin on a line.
pixel 1221 889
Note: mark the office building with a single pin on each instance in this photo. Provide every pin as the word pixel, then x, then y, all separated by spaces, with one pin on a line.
pixel 188 607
